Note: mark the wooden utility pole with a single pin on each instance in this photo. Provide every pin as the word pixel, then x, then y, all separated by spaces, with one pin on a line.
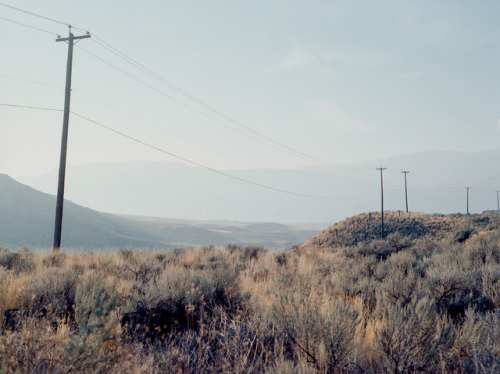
pixel 468 188
pixel 498 202
pixel 64 139
pixel 406 189
pixel 382 200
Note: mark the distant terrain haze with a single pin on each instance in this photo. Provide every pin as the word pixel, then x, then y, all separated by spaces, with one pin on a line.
pixel 27 220
pixel 436 184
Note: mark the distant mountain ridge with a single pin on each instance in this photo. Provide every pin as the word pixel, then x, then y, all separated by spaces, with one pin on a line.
pixel 27 219
pixel 436 184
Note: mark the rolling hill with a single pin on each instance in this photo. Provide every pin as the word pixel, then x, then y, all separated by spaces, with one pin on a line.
pixel 366 227
pixel 27 219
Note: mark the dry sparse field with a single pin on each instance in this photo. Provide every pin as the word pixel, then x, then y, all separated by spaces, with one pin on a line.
pixel 394 305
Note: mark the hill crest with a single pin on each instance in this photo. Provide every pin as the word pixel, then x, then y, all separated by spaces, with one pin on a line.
pixel 366 227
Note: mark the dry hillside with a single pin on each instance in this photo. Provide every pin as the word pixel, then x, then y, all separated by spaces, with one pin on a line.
pixel 365 227
pixel 396 305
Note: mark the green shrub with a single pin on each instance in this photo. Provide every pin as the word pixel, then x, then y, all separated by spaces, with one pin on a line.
pixel 91 348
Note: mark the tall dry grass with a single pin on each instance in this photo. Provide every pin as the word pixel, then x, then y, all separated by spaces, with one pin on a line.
pixel 389 306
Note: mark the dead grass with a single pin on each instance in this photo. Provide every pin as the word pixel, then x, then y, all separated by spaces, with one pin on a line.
pixel 249 310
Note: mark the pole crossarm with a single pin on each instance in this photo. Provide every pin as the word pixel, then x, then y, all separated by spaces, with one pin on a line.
pixel 73 38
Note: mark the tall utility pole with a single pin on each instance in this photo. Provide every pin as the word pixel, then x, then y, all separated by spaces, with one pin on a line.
pixel 382 199
pixel 406 189
pixel 468 188
pixel 498 203
pixel 64 140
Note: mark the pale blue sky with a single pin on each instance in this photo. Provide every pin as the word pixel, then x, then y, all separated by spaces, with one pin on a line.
pixel 342 81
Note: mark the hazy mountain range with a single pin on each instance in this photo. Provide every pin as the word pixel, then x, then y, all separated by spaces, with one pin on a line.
pixel 27 219
pixel 436 184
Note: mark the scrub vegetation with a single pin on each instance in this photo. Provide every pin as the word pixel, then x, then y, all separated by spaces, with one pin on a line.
pixel 398 304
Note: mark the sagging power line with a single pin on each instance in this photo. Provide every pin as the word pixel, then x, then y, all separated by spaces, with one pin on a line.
pixel 270 141
pixel 198 101
pixel 34 14
pixel 175 155
pixel 28 26
pixel 197 163
pixel 199 112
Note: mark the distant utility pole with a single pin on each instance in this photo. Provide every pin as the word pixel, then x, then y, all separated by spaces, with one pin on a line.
pixel 64 140
pixel 406 189
pixel 498 202
pixel 468 188
pixel 382 199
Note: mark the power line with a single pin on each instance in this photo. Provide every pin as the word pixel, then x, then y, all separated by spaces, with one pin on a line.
pixel 186 94
pixel 147 124
pixel 209 107
pixel 215 170
pixel 232 158
pixel 31 107
pixel 28 26
pixel 34 14
pixel 193 162
pixel 269 142
pixel 176 100
pixel 31 81
pixel 187 160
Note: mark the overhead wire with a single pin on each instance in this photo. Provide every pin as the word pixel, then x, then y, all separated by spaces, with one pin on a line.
pixel 418 192
pixel 34 14
pixel 171 97
pixel 77 92
pixel 186 94
pixel 169 153
pixel 176 135
pixel 31 81
pixel 193 162
pixel 212 109
pixel 31 107
pixel 140 66
pixel 28 26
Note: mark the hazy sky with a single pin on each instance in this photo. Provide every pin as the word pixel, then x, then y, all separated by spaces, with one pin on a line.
pixel 341 81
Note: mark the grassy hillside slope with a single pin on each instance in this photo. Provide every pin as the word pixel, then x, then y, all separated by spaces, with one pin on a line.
pixel 394 305
pixel 27 220
pixel 366 227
